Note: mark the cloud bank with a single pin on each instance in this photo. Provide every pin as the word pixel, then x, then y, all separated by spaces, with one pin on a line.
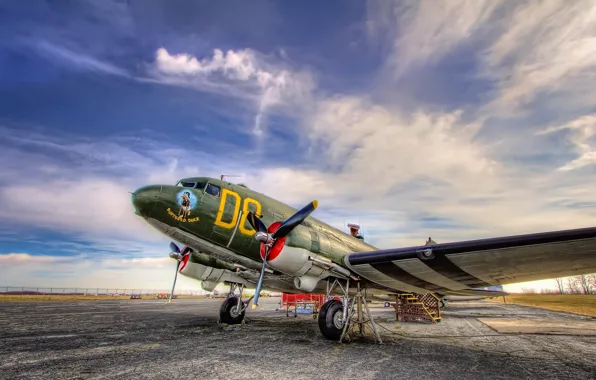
pixel 517 157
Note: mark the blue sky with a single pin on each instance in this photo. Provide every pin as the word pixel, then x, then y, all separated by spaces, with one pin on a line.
pixel 457 121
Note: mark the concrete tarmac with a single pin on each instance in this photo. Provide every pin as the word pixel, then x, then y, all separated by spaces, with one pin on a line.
pixel 149 339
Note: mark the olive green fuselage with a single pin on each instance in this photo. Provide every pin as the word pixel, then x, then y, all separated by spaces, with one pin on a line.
pixel 216 211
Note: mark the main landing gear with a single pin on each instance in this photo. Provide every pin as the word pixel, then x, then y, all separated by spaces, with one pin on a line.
pixel 232 310
pixel 336 318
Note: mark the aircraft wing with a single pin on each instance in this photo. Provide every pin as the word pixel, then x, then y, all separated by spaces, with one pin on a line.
pixel 463 267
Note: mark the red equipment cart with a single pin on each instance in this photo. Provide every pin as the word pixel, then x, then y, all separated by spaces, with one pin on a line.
pixel 305 301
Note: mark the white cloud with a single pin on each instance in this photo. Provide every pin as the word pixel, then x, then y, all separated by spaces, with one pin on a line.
pixel 583 131
pixel 243 73
pixel 33 271
pixel 140 262
pixel 86 205
pixel 385 147
pixel 295 187
pixel 14 259
pixel 546 46
pixel 87 184
pixel 77 59
pixel 424 31
pixel 525 50
pixel 532 52
pixel 393 168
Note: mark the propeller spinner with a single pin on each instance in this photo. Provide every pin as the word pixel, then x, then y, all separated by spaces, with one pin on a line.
pixel 268 238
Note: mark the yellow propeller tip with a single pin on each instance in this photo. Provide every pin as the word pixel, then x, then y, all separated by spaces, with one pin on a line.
pixel 254 306
pixel 315 203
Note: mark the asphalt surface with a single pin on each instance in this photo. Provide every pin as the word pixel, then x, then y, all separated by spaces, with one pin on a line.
pixel 149 339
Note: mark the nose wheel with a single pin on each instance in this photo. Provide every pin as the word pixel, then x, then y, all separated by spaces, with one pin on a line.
pixel 232 310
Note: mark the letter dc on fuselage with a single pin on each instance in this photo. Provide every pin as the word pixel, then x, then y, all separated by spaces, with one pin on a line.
pixel 229 225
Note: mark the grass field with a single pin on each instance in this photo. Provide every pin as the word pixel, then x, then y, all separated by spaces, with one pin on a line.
pixel 584 304
pixel 68 297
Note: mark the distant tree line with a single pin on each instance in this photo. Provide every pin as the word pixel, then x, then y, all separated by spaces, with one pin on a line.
pixel 582 284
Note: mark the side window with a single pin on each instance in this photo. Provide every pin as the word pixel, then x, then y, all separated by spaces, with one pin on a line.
pixel 213 190
pixel 187 184
pixel 200 185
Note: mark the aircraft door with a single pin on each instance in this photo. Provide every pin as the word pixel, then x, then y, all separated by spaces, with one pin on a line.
pixel 209 205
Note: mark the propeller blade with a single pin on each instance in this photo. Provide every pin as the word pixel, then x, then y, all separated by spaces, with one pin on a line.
pixel 174 247
pixel 256 223
pixel 255 301
pixel 295 220
pixel 176 253
pixel 174 284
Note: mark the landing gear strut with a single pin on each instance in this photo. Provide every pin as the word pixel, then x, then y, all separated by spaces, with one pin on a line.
pixel 336 318
pixel 333 313
pixel 232 310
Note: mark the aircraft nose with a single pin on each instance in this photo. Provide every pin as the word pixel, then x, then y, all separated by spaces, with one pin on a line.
pixel 144 199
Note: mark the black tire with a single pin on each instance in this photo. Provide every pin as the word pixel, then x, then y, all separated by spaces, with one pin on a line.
pixel 387 304
pixel 442 301
pixel 226 312
pixel 328 323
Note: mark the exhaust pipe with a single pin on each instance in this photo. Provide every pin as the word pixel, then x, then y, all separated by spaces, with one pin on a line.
pixel 328 265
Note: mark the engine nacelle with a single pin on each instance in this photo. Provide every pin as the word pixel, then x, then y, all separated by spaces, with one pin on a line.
pixel 292 255
pixel 294 261
pixel 306 283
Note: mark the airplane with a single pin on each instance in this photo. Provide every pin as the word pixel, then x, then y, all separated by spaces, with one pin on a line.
pixel 243 238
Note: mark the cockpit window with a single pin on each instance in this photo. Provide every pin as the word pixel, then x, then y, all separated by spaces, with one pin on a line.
pixel 213 190
pixel 187 184
pixel 200 185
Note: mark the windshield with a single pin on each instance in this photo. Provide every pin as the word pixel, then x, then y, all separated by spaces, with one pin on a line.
pixel 195 185
pixel 186 184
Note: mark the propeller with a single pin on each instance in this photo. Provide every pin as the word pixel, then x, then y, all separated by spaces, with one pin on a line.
pixel 181 257
pixel 274 235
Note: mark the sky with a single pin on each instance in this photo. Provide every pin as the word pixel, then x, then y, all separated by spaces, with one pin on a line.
pixel 456 120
